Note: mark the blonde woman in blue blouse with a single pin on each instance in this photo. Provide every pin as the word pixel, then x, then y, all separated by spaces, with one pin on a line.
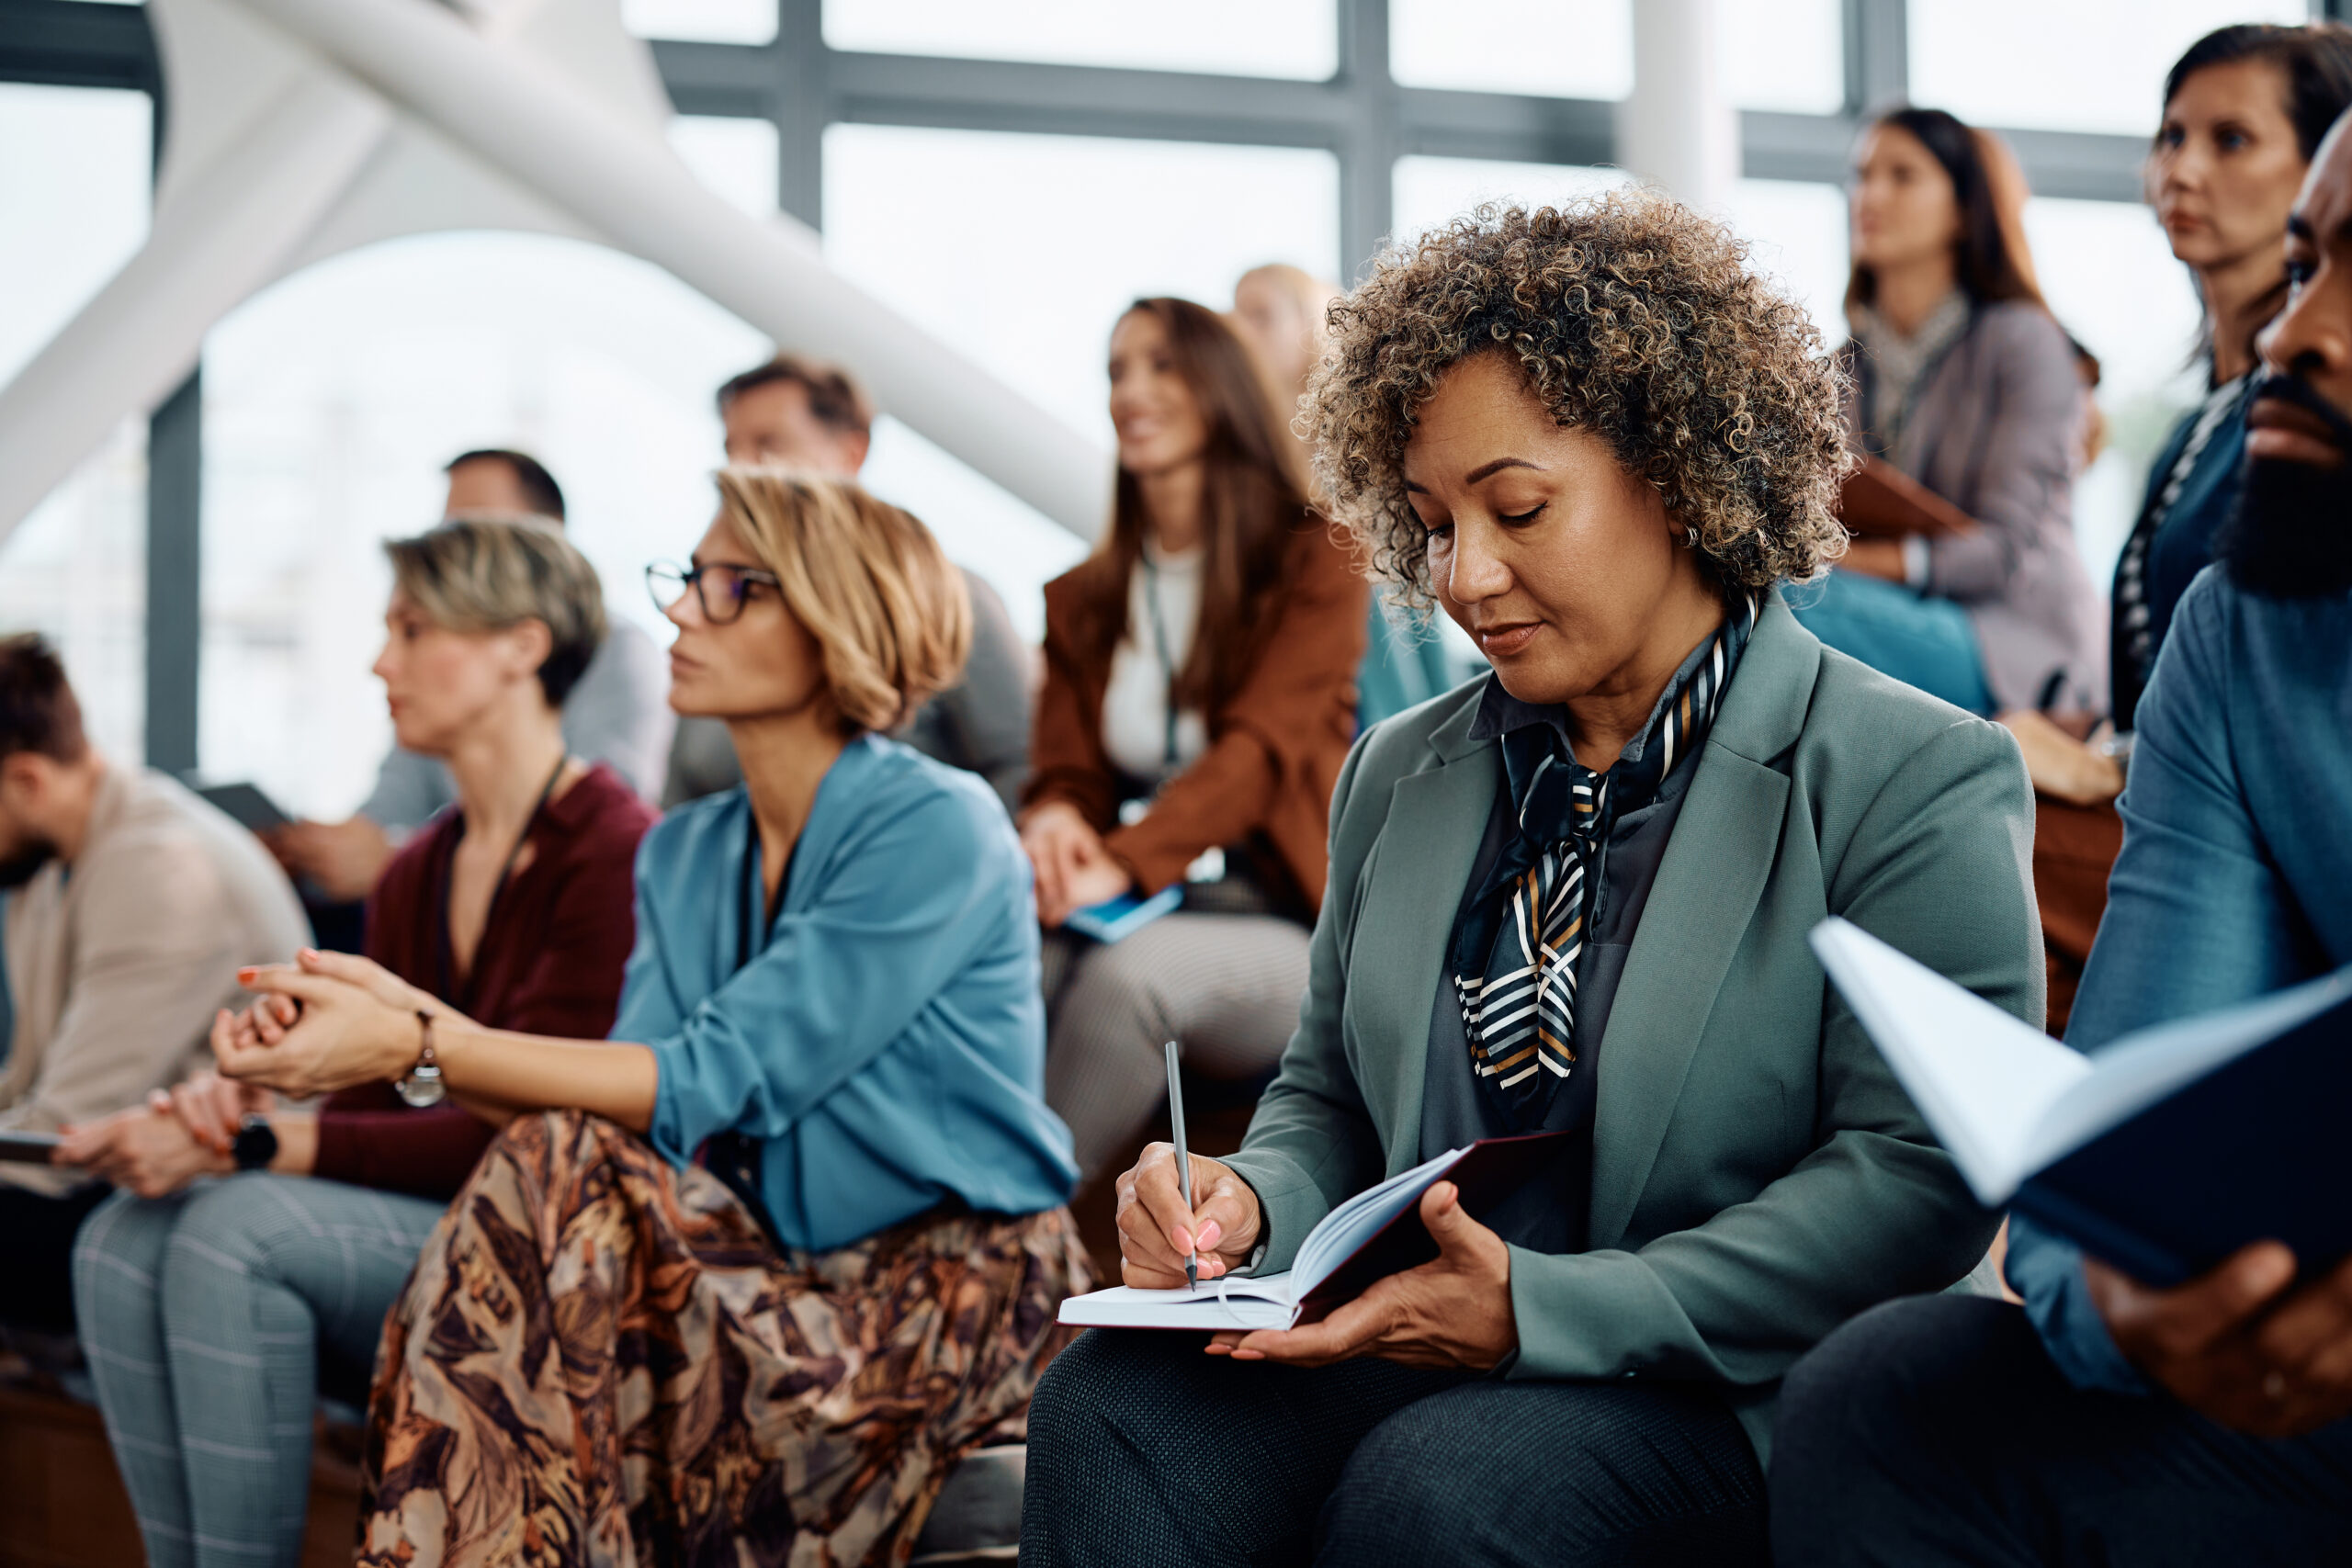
pixel 746 1286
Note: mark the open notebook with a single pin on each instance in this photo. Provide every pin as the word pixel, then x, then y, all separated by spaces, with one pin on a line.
pixel 2166 1150
pixel 1376 1233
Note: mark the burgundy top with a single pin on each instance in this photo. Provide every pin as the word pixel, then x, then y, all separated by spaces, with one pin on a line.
pixel 550 962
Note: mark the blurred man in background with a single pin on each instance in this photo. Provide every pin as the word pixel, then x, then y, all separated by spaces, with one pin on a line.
pixel 132 905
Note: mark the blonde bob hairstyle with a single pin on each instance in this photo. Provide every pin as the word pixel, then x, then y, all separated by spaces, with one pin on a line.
pixel 890 615
pixel 485 574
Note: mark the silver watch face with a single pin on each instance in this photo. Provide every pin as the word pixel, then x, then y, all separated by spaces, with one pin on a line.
pixel 422 1088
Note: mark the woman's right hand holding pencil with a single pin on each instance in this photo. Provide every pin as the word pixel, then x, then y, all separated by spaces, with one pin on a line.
pixel 1158 1230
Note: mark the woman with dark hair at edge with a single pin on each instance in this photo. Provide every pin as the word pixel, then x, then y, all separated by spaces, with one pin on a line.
pixel 2244 111
pixel 1571 898
pixel 1960 378
pixel 1199 698
pixel 743 1285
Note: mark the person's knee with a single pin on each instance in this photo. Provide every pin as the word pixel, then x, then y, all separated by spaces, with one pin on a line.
pixel 119 1249
pixel 1400 1499
pixel 1126 981
pixel 1908 1384
pixel 232 1227
pixel 1066 1413
pixel 1106 1399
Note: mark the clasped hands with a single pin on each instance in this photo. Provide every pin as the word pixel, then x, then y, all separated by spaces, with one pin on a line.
pixel 1072 868
pixel 1453 1311
pixel 2243 1343
pixel 323 1023
pixel 158 1148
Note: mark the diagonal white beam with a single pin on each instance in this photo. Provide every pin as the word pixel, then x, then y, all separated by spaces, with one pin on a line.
pixel 525 117
pixel 225 235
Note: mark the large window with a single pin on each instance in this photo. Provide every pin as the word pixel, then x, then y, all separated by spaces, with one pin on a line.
pixel 1774 54
pixel 1248 38
pixel 1010 211
pixel 706 21
pixel 2064 64
pixel 2111 278
pixel 75 173
pixel 331 402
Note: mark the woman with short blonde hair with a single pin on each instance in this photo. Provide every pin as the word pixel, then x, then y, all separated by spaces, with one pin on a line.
pixel 800 1241
pixel 210 1306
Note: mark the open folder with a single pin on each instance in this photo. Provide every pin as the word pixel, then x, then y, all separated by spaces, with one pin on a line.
pixel 1879 501
pixel 2165 1153
pixel 1376 1233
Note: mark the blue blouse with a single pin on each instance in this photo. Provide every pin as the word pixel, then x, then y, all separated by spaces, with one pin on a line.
pixel 884 1037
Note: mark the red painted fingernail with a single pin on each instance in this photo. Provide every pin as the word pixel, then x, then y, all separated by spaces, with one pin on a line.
pixel 1211 1233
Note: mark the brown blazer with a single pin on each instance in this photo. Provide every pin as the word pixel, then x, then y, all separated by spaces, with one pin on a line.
pixel 1275 746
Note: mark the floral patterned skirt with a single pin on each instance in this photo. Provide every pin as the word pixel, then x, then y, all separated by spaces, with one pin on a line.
pixel 602 1360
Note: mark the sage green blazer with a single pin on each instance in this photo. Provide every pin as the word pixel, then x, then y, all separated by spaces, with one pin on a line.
pixel 1758 1175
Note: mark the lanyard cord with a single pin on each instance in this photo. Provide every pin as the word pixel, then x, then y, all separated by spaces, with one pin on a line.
pixel 446 953
pixel 1167 662
pixel 745 886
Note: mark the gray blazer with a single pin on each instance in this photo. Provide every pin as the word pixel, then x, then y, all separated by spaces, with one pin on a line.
pixel 1993 429
pixel 1758 1176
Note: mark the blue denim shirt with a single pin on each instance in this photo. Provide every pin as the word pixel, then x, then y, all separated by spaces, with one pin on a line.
pixel 884 1036
pixel 2238 850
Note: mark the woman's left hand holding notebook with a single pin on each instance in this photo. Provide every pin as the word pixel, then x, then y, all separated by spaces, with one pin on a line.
pixel 1453 1311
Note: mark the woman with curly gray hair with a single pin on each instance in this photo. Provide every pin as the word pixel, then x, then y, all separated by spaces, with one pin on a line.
pixel 1570 897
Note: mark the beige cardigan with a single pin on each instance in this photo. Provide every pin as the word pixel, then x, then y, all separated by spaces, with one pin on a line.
pixel 116 963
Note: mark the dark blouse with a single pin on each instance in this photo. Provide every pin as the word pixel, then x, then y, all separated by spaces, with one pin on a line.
pixel 2192 488
pixel 549 962
pixel 1549 1212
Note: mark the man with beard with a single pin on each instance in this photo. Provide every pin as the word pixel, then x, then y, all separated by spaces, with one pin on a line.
pixel 132 903
pixel 2107 1421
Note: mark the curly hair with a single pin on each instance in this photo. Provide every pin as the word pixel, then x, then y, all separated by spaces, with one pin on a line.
pixel 1633 318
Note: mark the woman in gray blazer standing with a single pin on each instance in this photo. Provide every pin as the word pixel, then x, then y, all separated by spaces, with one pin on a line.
pixel 1960 378
pixel 1571 896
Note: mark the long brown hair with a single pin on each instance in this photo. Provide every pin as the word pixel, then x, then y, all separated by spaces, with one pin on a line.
pixel 1987 254
pixel 1252 503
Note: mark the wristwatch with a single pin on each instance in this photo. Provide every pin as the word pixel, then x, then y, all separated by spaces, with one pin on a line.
pixel 255 1143
pixel 422 1085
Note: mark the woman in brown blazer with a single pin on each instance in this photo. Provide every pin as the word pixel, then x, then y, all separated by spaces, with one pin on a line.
pixel 1199 700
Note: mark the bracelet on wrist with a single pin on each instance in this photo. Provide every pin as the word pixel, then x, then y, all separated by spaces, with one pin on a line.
pixel 421 1085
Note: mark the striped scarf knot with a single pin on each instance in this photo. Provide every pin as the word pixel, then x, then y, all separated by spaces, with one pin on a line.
pixel 1516 946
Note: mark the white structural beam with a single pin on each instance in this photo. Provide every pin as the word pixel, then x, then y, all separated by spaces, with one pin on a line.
pixel 399 116
pixel 229 233
pixel 1679 129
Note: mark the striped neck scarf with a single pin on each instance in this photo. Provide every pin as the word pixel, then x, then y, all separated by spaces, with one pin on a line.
pixel 1518 940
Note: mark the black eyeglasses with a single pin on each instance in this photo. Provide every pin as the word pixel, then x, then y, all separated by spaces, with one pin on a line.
pixel 719 588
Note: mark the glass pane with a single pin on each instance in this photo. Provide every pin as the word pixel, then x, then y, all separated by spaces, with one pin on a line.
pixel 1784 54
pixel 2111 280
pixel 74 179
pixel 737 158
pixel 1248 38
pixel 1559 48
pixel 2064 64
pixel 1796 235
pixel 1053 236
pixel 1431 192
pixel 332 401
pixel 1797 229
pixel 706 21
